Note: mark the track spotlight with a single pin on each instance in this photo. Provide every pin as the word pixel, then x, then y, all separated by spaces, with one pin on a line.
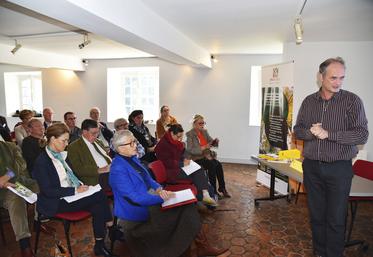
pixel 86 41
pixel 298 26
pixel 213 58
pixel 85 62
pixel 16 47
pixel 298 29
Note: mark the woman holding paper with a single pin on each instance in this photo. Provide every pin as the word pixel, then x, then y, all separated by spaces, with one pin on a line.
pixel 170 150
pixel 199 144
pixel 137 198
pixel 56 180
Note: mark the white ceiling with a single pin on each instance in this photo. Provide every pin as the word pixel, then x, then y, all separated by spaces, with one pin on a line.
pixel 216 26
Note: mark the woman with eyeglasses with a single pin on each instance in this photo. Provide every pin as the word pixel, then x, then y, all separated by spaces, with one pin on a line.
pixel 142 134
pixel 170 150
pixel 56 180
pixel 199 144
pixel 164 121
pixel 149 231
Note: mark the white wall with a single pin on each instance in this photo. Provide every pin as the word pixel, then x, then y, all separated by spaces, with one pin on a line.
pixel 220 94
pixel 358 57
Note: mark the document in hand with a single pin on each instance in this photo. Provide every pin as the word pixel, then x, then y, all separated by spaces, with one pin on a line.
pixel 181 198
pixel 24 192
pixel 91 190
pixel 192 167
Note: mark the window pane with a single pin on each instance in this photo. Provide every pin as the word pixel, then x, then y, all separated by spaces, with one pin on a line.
pixel 255 96
pixel 23 90
pixel 140 90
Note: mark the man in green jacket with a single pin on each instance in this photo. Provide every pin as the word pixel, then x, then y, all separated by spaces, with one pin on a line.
pixel 12 169
pixel 88 157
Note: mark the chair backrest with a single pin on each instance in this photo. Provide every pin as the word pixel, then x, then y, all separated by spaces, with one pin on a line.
pixel 159 171
pixel 363 169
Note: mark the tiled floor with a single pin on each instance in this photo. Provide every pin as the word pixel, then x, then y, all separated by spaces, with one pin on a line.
pixel 275 228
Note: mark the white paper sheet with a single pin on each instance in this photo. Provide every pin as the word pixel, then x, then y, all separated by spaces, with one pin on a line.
pixel 24 192
pixel 180 196
pixel 192 167
pixel 91 190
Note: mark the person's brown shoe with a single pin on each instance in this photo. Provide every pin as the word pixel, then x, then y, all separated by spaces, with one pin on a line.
pixel 210 251
pixel 203 246
pixel 27 252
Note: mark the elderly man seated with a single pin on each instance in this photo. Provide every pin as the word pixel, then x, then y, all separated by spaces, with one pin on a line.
pixel 13 168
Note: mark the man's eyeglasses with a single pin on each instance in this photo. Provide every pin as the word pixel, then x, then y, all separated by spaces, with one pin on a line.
pixel 132 143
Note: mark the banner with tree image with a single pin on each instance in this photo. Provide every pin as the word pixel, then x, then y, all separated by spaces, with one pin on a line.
pixel 277 118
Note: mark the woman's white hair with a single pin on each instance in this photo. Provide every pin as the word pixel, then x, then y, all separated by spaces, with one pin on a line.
pixel 120 137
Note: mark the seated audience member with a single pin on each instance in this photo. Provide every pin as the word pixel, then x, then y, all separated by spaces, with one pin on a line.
pixel 4 130
pixel 88 156
pixel 122 124
pixel 21 131
pixel 142 134
pixel 199 143
pixel 137 197
pixel 165 120
pixel 56 180
pixel 48 117
pixel 170 150
pixel 34 144
pixel 10 157
pixel 70 121
pixel 105 134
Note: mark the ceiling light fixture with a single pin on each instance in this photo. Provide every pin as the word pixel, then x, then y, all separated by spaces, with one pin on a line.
pixel 16 47
pixel 298 26
pixel 213 58
pixel 86 41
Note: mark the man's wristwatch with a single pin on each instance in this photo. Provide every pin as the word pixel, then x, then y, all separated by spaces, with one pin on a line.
pixel 10 173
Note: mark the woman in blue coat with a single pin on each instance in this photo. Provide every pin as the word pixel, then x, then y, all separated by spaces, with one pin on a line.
pixel 137 199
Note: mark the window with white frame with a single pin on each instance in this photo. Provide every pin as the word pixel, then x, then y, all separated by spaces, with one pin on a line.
pixel 133 88
pixel 23 90
pixel 255 96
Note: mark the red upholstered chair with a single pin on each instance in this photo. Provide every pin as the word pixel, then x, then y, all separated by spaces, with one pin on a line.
pixel 66 218
pixel 160 174
pixel 363 169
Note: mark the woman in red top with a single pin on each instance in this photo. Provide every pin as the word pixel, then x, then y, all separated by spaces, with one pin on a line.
pixel 170 150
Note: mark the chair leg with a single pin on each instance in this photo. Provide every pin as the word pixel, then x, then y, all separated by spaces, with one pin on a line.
pixel 2 229
pixel 298 189
pixel 112 241
pixel 66 226
pixel 37 230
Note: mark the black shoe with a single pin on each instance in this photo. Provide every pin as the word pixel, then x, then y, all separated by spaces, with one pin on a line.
pixel 102 251
pixel 225 193
pixel 116 234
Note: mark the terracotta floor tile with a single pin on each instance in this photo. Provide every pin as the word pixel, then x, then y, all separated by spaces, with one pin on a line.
pixel 274 229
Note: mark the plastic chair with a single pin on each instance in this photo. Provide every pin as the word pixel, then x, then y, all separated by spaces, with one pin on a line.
pixel 160 174
pixel 363 169
pixel 66 218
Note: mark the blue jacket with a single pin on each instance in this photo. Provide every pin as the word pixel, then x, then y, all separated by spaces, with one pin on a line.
pixel 131 197
pixel 51 191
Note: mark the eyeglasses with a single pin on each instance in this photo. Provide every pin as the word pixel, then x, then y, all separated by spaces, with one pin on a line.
pixel 72 118
pixel 202 123
pixel 132 143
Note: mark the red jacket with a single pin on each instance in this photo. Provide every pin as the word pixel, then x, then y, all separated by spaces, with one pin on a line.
pixel 171 157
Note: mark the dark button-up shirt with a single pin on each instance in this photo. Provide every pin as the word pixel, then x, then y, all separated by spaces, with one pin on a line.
pixel 343 116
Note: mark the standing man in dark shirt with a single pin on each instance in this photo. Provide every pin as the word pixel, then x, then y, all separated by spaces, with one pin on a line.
pixel 332 123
